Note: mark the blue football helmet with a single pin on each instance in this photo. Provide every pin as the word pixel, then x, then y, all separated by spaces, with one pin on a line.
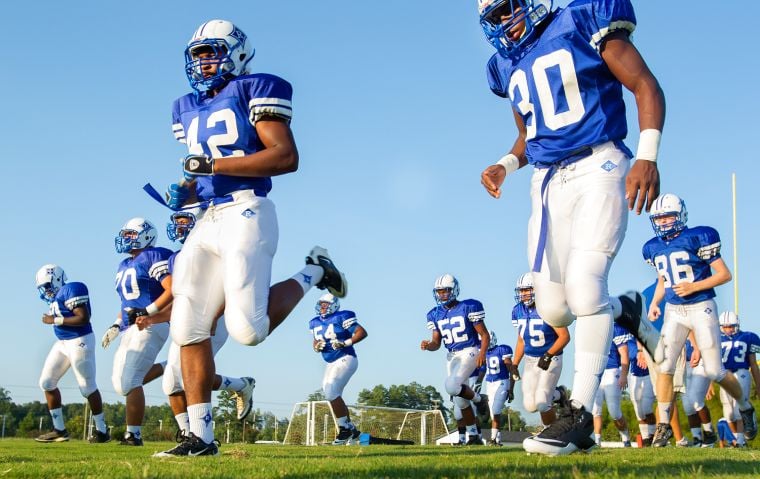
pixel 524 290
pixel 449 284
pixel 666 205
pixel 332 303
pixel 49 279
pixel 137 233
pixel 179 226
pixel 231 51
pixel 531 12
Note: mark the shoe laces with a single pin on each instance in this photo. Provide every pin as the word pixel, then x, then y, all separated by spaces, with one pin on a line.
pixel 563 424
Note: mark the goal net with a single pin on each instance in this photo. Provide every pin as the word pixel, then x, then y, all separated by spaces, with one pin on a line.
pixel 313 423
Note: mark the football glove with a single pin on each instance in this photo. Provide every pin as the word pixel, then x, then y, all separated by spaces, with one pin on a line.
pixel 319 346
pixel 134 313
pixel 510 395
pixel 338 344
pixel 545 361
pixel 110 336
pixel 197 165
pixel 514 372
pixel 176 196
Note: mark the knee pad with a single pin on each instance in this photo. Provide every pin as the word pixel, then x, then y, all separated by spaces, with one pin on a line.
pixel 331 392
pixel 586 297
pixel 248 333
pixel 87 388
pixel 461 402
pixel 543 406
pixel 453 387
pixel 122 386
pixel 529 404
pixel 550 303
pixel 715 372
pixel 48 384
pixel 171 382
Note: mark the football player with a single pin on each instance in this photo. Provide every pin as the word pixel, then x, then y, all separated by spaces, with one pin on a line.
pixel 641 392
pixel 689 267
pixel 69 314
pixel 498 384
pixel 563 71
pixel 236 125
pixel 611 386
pixel 541 346
pixel 693 400
pixel 144 287
pixel 335 333
pixel 458 325
pixel 739 350
pixel 179 226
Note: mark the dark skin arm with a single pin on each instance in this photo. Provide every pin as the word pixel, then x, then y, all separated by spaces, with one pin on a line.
pixel 433 344
pixel 642 185
pixel 81 317
pixel 493 176
pixel 485 340
pixel 563 338
pixel 279 156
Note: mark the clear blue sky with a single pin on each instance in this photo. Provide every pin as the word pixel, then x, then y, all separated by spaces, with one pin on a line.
pixel 394 122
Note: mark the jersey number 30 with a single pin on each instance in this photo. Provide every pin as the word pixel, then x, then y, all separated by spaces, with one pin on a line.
pixel 553 120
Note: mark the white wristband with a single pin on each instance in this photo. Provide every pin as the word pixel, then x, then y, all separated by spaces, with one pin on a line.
pixel 510 163
pixel 58 320
pixel 649 145
pixel 152 309
pixel 348 342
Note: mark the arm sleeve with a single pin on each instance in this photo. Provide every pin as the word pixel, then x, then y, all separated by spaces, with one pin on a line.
pixel 709 245
pixel 598 18
pixel 270 96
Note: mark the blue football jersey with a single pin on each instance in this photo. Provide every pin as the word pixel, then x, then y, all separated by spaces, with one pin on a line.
pixel 620 336
pixel 495 362
pixel 737 348
pixel 170 262
pixel 338 325
pixel 69 297
pixel 686 257
pixel 224 126
pixel 456 325
pixel 561 87
pixel 536 334
pixel 633 349
pixel 138 279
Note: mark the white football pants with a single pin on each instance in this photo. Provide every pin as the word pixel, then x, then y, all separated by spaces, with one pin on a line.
pixel 730 406
pixel 337 374
pixel 78 354
pixel 497 395
pixel 538 385
pixel 171 383
pixel 642 395
pixel 697 384
pixel 608 392
pixel 227 259
pixel 459 366
pixel 136 354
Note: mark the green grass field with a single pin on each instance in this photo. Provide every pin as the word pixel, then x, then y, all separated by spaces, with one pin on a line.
pixel 25 458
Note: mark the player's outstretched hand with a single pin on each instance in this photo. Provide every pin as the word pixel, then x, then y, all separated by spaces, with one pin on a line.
pixel 424 344
pixel 492 178
pixel 110 335
pixel 319 345
pixel 177 195
pixel 642 185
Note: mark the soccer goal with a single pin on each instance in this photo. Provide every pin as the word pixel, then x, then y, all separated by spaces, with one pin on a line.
pixel 313 423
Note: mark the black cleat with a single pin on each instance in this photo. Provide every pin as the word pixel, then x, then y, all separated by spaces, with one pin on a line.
pixel 634 320
pixel 569 433
pixel 662 435
pixel 709 439
pixel 474 441
pixel 332 280
pixel 56 435
pixel 191 445
pixel 482 407
pixel 99 437
pixel 750 423
pixel 562 401
pixel 346 436
pixel 130 439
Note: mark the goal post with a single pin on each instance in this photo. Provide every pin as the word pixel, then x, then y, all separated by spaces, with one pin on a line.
pixel 313 423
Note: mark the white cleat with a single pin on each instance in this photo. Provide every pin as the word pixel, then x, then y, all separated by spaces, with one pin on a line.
pixel 244 398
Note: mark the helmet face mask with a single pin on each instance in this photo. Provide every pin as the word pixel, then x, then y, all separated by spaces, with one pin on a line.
pixel 509 24
pixel 49 280
pixel 524 292
pixel 668 216
pixel 136 234
pixel 179 226
pixel 327 304
pixel 445 290
pixel 219 43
